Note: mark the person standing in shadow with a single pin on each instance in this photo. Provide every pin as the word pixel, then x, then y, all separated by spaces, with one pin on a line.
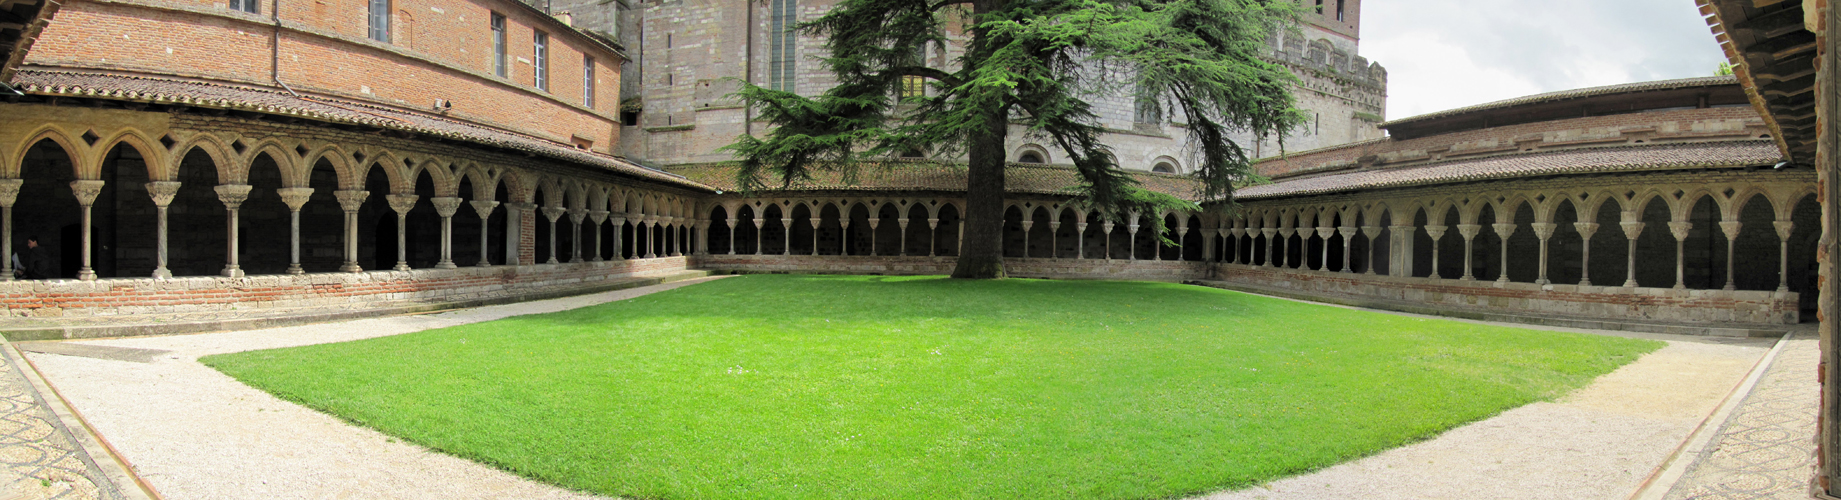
pixel 34 264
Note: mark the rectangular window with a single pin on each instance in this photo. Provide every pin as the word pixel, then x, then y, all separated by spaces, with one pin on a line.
pixel 913 86
pixel 541 52
pixel 498 45
pixel 781 54
pixel 249 6
pixel 588 81
pixel 380 20
pixel 1319 7
pixel 1339 10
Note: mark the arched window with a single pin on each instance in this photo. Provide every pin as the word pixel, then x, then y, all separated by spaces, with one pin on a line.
pixel 1164 168
pixel 1030 157
pixel 782 50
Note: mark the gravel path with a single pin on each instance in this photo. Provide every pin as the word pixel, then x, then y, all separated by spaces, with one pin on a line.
pixel 194 433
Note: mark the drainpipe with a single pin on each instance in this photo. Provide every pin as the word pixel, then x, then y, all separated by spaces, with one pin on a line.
pixel 748 71
pixel 274 45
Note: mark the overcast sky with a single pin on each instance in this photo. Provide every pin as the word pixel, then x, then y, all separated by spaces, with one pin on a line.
pixel 1443 54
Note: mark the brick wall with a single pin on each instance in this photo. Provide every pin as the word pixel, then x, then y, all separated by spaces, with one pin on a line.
pixel 61 298
pixel 1019 268
pixel 441 49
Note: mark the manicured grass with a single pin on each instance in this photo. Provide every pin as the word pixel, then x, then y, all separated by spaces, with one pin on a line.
pixel 925 387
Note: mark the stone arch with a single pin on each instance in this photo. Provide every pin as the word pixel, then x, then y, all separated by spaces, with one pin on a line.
pixel 56 136
pixel 1023 152
pixel 212 147
pixel 1786 205
pixel 1175 167
pixel 334 155
pixel 393 169
pixel 439 171
pixel 1641 200
pixel 154 157
pixel 1740 198
pixel 291 174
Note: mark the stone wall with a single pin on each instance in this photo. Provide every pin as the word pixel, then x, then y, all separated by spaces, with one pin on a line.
pixel 1605 302
pixel 275 294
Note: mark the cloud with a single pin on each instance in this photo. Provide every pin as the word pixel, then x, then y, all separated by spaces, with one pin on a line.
pixel 1443 54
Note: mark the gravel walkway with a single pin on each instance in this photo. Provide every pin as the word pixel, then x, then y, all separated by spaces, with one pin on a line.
pixel 194 433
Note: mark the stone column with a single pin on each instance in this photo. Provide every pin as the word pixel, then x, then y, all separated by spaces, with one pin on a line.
pixel 576 215
pixel 786 226
pixel 351 201
pixel 484 208
pixel 1731 228
pixel 1783 254
pixel 600 218
pixel 1239 256
pixel 553 214
pixel 1348 246
pixel 1401 262
pixel 1132 249
pixel 817 220
pixel 1680 231
pixel 233 196
pixel 294 198
pixel 1371 232
pixel 1436 233
pixel 903 250
pixel 1502 233
pixel 1106 228
pixel 619 223
pixel 1268 232
pixel 162 193
pixel 446 207
pixel 843 234
pixel 874 222
pixel 1631 231
pixel 1080 241
pixel 1305 233
pixel 933 237
pixel 1544 231
pixel 402 204
pixel 731 223
pixel 86 192
pixel 1181 232
pixel 1469 232
pixel 9 193
pixel 1585 250
pixel 760 240
pixel 652 240
pixel 1208 245
pixel 702 245
pixel 1054 230
pixel 1326 232
pixel 1026 225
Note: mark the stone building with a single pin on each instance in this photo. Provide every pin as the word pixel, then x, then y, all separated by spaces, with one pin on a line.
pixel 690 55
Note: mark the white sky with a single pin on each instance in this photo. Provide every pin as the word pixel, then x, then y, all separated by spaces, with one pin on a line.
pixel 1443 54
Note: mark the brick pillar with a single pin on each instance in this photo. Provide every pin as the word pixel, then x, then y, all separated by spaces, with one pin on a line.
pixel 1828 107
pixel 527 233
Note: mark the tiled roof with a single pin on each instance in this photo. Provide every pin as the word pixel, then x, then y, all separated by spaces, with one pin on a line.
pixel 1578 161
pixel 164 91
pixel 910 175
pixel 1706 81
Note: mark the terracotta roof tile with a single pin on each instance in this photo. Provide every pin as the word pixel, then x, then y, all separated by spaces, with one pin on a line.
pixel 1705 81
pixel 1578 161
pixel 910 175
pixel 164 91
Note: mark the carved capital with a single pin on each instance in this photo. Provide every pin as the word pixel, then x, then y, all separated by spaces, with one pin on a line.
pixel 935 224
pixel 1632 229
pixel 162 192
pixel 1371 231
pixel 1543 230
pixel 233 195
pixel 351 200
pixel 1026 224
pixel 445 206
pixel 1239 231
pixel 1680 229
pixel 86 191
pixel 1731 228
pixel 1346 231
pixel 402 203
pixel 294 198
pixel 577 214
pixel 1104 226
pixel 1210 233
pixel 1504 230
pixel 1401 230
pixel 1436 232
pixel 1586 229
pixel 483 207
pixel 1783 229
pixel 1307 232
pixel 598 216
pixel 554 213
pixel 9 191
pixel 1268 232
pixel 1468 231
pixel 1053 225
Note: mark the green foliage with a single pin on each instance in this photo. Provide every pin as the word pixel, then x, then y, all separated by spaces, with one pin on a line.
pixel 1035 63
pixel 1725 69
pixel 775 386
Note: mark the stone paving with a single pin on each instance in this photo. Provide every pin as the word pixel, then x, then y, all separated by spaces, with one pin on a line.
pixel 39 459
pixel 1766 449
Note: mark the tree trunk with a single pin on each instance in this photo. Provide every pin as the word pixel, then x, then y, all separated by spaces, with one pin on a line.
pixel 981 257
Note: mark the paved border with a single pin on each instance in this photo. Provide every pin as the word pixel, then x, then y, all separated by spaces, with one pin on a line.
pixel 117 474
pixel 1679 462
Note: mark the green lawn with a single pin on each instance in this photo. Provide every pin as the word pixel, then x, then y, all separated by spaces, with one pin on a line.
pixel 773 386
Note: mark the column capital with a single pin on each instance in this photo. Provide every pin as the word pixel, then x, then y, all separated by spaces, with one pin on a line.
pixel 554 213
pixel 1239 231
pixel 1783 229
pixel 402 203
pixel 598 216
pixel 521 206
pixel 1504 230
pixel 1026 224
pixel 1632 229
pixel 1585 229
pixel 1680 229
pixel 1268 231
pixel 1210 232
pixel 1469 231
pixel 1307 232
pixel 294 198
pixel 1286 232
pixel 445 206
pixel 351 200
pixel 484 207
pixel 1371 231
pixel 1346 231
pixel 87 191
pixel 233 195
pixel 9 191
pixel 1436 232
pixel 577 214
pixel 1543 230
pixel 1054 225
pixel 162 193
pixel 1731 228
